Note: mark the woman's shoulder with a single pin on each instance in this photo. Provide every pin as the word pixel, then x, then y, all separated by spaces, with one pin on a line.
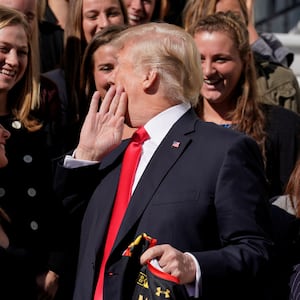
pixel 277 115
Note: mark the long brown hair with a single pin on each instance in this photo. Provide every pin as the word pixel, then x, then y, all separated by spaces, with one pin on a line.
pixel 247 114
pixel 160 10
pixel 293 188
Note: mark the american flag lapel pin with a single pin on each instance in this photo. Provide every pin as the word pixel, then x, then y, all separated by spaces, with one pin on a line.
pixel 175 144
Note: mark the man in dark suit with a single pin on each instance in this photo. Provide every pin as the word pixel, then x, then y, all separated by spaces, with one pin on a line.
pixel 199 189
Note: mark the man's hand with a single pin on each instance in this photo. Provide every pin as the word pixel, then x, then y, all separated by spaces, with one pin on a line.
pixel 172 261
pixel 102 129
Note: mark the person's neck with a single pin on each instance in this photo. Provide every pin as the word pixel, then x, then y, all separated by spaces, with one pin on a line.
pixel 128 132
pixel 218 113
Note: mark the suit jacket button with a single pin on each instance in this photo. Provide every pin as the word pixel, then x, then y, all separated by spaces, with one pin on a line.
pixel 16 124
pixel 27 159
pixel 31 192
pixel 34 225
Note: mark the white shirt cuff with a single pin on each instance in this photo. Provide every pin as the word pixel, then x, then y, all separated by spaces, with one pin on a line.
pixel 71 162
pixel 194 289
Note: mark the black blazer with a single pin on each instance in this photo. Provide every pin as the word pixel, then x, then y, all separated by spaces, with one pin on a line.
pixel 206 197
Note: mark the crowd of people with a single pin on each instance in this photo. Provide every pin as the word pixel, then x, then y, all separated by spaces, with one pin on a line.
pixel 208 107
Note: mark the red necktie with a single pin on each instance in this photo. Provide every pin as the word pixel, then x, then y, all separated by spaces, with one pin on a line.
pixel 129 165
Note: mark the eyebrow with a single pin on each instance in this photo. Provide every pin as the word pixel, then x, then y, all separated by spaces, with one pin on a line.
pixel 24 47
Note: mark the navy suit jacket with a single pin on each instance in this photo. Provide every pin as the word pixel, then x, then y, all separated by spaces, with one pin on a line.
pixel 206 196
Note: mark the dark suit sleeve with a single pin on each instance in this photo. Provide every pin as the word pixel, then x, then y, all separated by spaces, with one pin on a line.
pixel 74 186
pixel 243 223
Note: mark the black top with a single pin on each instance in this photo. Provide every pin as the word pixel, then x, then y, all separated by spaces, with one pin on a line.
pixel 283 140
pixel 51 39
pixel 26 195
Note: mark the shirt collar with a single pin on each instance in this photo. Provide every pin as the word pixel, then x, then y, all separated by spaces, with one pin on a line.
pixel 159 126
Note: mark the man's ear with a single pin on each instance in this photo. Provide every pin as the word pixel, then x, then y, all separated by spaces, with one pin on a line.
pixel 150 80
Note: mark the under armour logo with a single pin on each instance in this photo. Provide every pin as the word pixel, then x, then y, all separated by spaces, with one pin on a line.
pixel 166 292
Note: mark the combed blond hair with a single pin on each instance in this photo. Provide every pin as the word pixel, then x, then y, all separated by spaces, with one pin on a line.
pixel 170 51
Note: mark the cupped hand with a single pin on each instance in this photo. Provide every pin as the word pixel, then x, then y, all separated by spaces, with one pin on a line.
pixel 103 127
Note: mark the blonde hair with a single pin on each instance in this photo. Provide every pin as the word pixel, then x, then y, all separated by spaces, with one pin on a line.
pixel 24 96
pixel 171 52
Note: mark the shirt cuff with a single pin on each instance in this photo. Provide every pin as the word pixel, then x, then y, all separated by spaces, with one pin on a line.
pixel 194 290
pixel 71 162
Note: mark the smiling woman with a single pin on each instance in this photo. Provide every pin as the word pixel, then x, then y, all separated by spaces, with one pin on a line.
pixel 14 55
pixel 229 95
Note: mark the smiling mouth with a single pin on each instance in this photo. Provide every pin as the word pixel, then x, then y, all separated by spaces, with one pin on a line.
pixel 135 18
pixel 211 81
pixel 8 73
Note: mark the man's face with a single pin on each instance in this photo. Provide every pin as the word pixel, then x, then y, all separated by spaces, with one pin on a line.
pixel 131 79
pixel 27 7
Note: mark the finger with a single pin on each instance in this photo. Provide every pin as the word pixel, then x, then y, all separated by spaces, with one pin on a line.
pixel 151 253
pixel 115 101
pixel 122 107
pixel 105 105
pixel 94 102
